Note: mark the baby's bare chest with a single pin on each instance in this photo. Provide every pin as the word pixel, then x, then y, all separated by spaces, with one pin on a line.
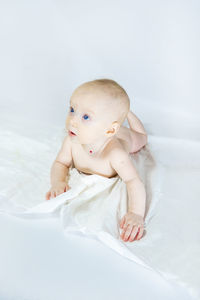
pixel 89 164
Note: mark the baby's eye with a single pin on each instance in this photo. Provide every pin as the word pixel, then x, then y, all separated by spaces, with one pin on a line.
pixel 71 109
pixel 85 117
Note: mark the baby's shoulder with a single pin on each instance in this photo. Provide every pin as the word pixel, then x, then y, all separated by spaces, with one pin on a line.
pixel 115 147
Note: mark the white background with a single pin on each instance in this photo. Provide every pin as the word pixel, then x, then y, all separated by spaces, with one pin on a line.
pixel 48 48
pixel 151 48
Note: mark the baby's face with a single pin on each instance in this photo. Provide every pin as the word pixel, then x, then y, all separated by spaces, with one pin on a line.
pixel 88 117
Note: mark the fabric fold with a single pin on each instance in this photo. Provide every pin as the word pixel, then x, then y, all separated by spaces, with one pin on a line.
pixel 94 204
pixel 168 167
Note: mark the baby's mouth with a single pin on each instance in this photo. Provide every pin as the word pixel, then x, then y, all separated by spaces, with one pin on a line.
pixel 72 133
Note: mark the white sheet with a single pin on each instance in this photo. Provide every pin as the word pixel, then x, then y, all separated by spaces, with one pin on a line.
pixel 171 244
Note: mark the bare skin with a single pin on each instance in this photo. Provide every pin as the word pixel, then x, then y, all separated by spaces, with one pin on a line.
pixel 110 144
pixel 88 164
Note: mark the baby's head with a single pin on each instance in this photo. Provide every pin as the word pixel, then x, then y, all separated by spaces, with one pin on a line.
pixel 97 110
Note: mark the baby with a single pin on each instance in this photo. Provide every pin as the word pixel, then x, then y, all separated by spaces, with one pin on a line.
pixel 97 143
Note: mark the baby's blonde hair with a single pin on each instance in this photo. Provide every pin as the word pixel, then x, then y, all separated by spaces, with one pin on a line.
pixel 118 96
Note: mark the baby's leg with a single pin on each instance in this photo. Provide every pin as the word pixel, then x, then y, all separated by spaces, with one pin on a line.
pixel 137 132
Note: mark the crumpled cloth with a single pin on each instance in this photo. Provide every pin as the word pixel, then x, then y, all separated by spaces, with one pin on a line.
pixel 94 205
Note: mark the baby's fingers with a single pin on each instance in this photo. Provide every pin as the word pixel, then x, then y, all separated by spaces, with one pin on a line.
pixel 134 233
pixel 140 234
pixel 59 192
pixel 48 194
pixel 53 194
pixel 122 222
pixel 126 232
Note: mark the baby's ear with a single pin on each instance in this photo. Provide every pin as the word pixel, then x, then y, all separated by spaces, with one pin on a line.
pixel 114 128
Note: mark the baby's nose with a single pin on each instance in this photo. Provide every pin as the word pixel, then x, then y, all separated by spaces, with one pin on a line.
pixel 74 122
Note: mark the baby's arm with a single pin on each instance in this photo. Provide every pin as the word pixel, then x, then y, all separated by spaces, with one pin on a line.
pixel 134 219
pixel 60 170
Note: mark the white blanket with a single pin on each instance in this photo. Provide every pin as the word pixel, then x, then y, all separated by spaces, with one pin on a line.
pixel 94 205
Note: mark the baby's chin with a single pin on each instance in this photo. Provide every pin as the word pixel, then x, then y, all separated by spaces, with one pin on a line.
pixel 78 140
pixel 75 142
pixel 83 141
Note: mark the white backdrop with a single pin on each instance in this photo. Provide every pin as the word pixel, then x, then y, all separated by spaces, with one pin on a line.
pixel 48 48
pixel 151 48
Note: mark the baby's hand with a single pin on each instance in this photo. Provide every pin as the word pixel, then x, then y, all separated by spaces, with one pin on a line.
pixel 57 189
pixel 133 227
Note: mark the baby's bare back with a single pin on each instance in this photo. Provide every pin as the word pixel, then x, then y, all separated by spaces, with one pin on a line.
pixel 101 165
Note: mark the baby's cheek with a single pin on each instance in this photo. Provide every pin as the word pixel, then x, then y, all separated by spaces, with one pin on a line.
pixel 67 124
pixel 87 136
